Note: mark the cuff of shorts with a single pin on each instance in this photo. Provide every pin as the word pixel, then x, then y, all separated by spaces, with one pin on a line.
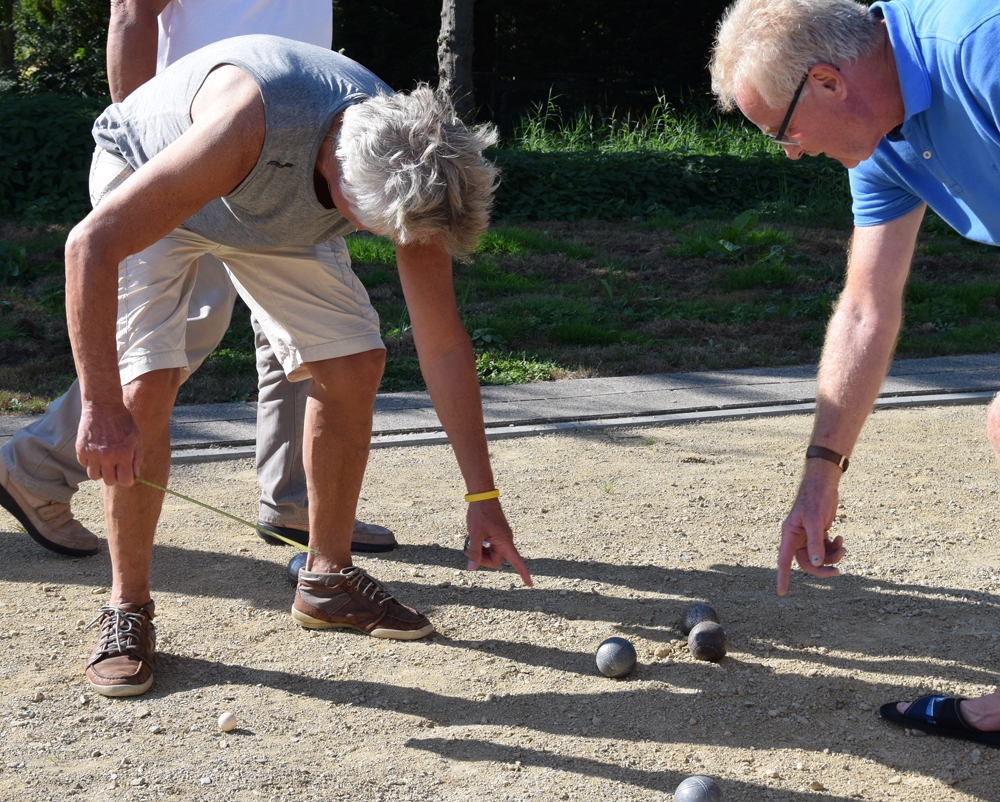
pixel 294 364
pixel 131 369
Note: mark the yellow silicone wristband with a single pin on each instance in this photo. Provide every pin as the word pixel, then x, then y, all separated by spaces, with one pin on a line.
pixel 470 497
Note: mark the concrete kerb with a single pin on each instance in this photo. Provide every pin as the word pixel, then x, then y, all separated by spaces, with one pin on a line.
pixel 438 437
pixel 213 432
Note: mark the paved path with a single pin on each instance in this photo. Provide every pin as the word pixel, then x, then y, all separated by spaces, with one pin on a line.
pixel 224 431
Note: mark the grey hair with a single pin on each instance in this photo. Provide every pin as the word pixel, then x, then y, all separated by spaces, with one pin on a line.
pixel 768 45
pixel 413 171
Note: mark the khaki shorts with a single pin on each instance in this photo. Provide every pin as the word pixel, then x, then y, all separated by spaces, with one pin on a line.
pixel 308 301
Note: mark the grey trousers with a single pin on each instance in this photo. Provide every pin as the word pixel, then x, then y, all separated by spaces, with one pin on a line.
pixel 42 455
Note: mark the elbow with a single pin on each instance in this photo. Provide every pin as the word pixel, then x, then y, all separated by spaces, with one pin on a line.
pixel 76 248
pixel 85 247
pixel 73 249
pixel 867 320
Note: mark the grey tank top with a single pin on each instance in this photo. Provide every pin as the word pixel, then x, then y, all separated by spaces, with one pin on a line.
pixel 304 87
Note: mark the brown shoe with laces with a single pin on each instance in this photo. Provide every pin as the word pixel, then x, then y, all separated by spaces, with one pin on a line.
pixel 122 661
pixel 50 523
pixel 351 598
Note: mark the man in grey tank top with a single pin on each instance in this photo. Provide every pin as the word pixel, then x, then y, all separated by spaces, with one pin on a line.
pixel 39 472
pixel 259 150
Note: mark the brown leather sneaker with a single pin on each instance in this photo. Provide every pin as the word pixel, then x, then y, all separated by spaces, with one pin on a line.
pixel 351 598
pixel 121 663
pixel 50 523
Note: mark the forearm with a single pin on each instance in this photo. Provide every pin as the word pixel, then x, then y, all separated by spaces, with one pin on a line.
pixel 91 311
pixel 863 331
pixel 859 345
pixel 132 41
pixel 451 380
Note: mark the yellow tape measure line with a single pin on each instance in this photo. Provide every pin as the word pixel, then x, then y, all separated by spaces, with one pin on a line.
pixel 268 532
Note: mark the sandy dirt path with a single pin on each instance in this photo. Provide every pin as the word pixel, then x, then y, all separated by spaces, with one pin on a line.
pixel 622 530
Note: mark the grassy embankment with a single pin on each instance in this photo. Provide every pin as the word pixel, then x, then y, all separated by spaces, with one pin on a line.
pixel 678 241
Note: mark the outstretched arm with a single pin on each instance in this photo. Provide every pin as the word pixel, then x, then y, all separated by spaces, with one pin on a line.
pixel 208 161
pixel 449 369
pixel 132 38
pixel 859 345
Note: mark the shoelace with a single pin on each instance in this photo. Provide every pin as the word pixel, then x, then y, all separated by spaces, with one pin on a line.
pixel 119 626
pixel 357 576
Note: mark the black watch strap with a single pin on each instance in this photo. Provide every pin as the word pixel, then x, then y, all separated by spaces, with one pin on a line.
pixel 818 452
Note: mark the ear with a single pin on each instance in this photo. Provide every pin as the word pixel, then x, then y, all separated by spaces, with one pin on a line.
pixel 828 81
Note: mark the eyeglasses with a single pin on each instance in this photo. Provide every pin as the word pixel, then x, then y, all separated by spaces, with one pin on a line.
pixel 779 138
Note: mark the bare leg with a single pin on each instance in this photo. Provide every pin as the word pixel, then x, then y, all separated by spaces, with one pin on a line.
pixel 993 426
pixel 338 432
pixel 131 513
pixel 983 713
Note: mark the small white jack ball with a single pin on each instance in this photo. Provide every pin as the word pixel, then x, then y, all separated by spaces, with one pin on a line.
pixel 227 722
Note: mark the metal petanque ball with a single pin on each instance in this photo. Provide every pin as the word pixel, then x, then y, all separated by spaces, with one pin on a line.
pixel 695 614
pixel 294 564
pixel 616 657
pixel 698 789
pixel 708 641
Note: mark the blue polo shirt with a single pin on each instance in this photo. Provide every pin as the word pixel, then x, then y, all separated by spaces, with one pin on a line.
pixel 948 59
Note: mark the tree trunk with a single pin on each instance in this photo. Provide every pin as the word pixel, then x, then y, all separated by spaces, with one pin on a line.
pixel 455 54
pixel 7 38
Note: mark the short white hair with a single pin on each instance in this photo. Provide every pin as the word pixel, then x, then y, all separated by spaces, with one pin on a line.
pixel 768 45
pixel 413 171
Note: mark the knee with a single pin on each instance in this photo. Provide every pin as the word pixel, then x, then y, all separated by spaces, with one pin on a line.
pixel 356 374
pixel 153 393
pixel 366 370
pixel 375 361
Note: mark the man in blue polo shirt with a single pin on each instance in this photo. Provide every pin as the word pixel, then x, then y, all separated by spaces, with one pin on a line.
pixel 907 95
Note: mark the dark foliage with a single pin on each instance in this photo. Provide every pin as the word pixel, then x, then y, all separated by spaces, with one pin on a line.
pixel 397 40
pixel 46 155
pixel 60 46
pixel 592 53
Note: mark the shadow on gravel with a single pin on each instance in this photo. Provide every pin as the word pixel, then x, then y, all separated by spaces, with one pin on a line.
pixel 917 621
pixel 665 780
pixel 543 714
pixel 778 648
pixel 628 715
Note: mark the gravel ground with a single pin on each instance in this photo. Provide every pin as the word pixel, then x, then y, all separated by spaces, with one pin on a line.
pixel 622 531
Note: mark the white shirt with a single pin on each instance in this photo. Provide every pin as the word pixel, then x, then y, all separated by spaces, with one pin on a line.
pixel 187 25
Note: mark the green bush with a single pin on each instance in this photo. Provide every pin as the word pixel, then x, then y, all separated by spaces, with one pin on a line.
pixel 59 46
pixel 45 159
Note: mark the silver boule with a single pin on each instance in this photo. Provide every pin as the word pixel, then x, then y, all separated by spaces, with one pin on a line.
pixel 698 788
pixel 616 657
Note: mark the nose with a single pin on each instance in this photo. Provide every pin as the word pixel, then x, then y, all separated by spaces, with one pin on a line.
pixel 793 152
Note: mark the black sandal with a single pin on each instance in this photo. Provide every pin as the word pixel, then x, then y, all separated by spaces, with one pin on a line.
pixel 938 715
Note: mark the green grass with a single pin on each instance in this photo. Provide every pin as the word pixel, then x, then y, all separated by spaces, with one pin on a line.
pixel 500 368
pixel 553 300
pixel 681 162
pixel 511 241
pixel 368 249
pixel 546 128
